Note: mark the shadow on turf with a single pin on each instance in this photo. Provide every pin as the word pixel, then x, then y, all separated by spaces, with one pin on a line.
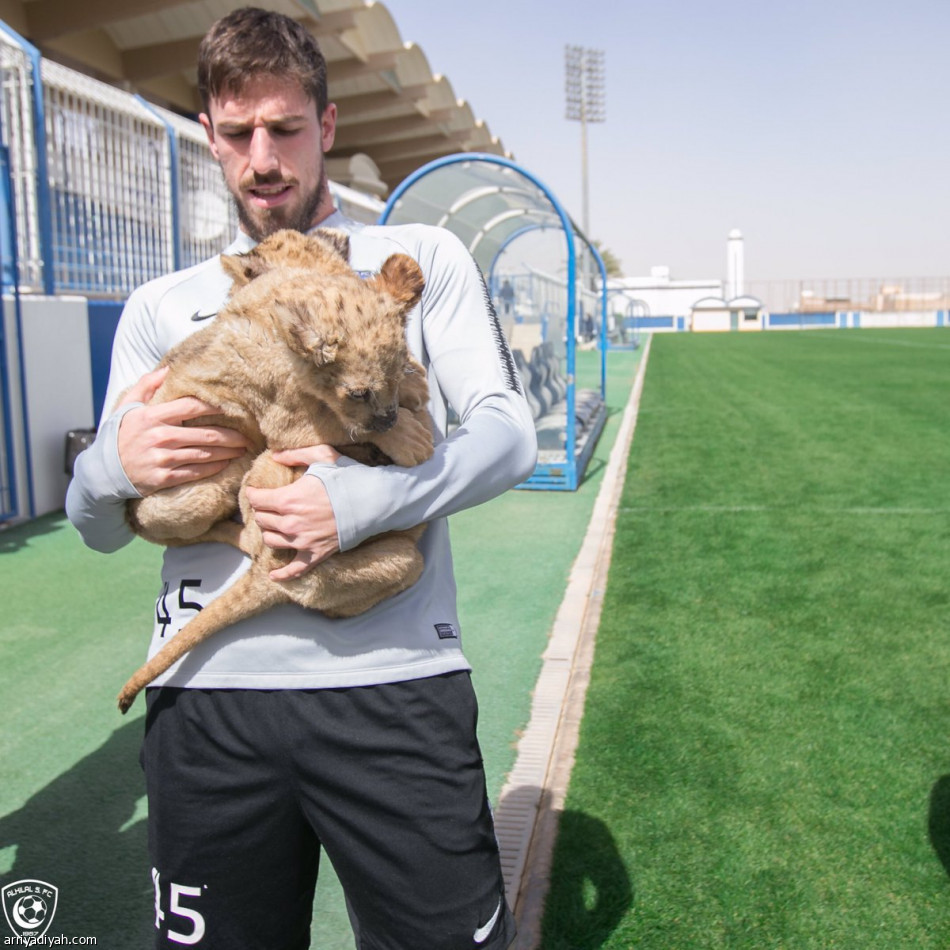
pixel 590 891
pixel 593 467
pixel 80 834
pixel 938 822
pixel 14 537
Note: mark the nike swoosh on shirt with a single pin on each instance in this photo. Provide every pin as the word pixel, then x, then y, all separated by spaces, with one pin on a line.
pixel 198 315
pixel 481 935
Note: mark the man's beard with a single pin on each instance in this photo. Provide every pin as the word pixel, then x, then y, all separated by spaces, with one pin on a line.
pixel 261 222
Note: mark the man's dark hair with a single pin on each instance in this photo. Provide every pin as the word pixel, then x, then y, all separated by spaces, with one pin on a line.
pixel 248 43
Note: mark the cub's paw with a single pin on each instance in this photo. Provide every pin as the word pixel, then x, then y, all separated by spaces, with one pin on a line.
pixel 408 442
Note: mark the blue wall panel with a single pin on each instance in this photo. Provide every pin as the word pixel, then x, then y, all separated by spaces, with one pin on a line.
pixel 103 318
pixel 802 319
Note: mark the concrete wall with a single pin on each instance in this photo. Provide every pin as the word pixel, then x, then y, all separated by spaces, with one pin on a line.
pixel 857 319
pixel 56 384
pixel 903 318
pixel 710 321
pixel 719 321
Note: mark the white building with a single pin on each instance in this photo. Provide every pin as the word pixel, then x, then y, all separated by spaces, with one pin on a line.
pixel 664 296
pixel 661 302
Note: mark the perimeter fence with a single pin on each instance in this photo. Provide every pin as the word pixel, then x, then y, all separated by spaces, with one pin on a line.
pixel 109 190
pixel 867 294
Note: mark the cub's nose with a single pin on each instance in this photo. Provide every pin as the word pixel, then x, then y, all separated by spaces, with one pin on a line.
pixel 383 423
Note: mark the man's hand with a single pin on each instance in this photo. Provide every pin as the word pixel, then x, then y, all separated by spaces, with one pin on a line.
pixel 157 451
pixel 298 516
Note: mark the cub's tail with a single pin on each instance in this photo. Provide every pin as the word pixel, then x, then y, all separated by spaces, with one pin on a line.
pixel 251 594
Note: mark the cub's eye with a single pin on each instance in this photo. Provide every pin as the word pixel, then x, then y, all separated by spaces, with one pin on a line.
pixel 360 395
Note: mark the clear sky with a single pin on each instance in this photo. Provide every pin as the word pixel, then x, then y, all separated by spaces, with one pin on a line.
pixel 819 128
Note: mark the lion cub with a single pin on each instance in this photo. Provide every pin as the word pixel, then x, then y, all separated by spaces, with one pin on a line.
pixel 305 352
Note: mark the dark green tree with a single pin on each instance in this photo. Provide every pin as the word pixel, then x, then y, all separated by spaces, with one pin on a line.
pixel 611 261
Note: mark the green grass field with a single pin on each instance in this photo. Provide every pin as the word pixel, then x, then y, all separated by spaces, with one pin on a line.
pixel 765 757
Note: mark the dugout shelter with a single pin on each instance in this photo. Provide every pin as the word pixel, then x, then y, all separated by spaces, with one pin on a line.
pixel 489 202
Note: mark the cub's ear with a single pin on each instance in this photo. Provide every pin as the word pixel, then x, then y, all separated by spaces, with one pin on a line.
pixel 401 278
pixel 243 268
pixel 302 336
pixel 338 242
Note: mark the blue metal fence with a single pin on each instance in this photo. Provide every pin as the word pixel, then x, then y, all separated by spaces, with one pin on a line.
pixel 110 186
pixel 97 175
pixel 8 487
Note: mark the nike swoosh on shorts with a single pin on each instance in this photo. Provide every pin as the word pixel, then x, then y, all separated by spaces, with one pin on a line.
pixel 481 935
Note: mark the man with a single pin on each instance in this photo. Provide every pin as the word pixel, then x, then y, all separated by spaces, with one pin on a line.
pixel 291 733
pixel 507 294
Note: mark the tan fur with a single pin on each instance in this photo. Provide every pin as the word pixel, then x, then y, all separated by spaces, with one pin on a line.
pixel 304 353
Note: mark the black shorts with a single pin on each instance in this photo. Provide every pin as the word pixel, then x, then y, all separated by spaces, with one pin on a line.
pixel 246 786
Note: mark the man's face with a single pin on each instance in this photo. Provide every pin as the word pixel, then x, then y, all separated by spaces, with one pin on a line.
pixel 270 144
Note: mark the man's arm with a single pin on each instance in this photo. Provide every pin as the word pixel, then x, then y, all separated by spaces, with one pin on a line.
pixel 140 448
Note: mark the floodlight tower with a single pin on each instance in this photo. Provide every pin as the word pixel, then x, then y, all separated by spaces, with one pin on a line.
pixel 586 102
pixel 735 264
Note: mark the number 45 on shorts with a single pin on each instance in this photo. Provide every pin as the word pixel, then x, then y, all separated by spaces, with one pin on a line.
pixel 192 923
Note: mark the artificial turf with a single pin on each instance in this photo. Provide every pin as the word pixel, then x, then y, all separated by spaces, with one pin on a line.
pixel 764 759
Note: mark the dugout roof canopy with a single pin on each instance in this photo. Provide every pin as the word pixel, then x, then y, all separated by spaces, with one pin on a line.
pixel 391 105
pixel 488 201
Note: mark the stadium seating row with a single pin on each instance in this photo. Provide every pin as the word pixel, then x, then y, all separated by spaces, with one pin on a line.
pixel 546 391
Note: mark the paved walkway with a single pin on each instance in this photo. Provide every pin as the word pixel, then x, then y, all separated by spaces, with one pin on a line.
pixel 529 807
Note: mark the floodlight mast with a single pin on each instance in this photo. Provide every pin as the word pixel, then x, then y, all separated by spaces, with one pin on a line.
pixel 586 102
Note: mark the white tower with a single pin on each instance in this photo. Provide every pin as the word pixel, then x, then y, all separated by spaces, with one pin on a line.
pixel 735 265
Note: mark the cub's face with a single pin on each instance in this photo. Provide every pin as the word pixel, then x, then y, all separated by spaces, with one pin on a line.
pixel 365 378
pixel 353 335
pixel 349 332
